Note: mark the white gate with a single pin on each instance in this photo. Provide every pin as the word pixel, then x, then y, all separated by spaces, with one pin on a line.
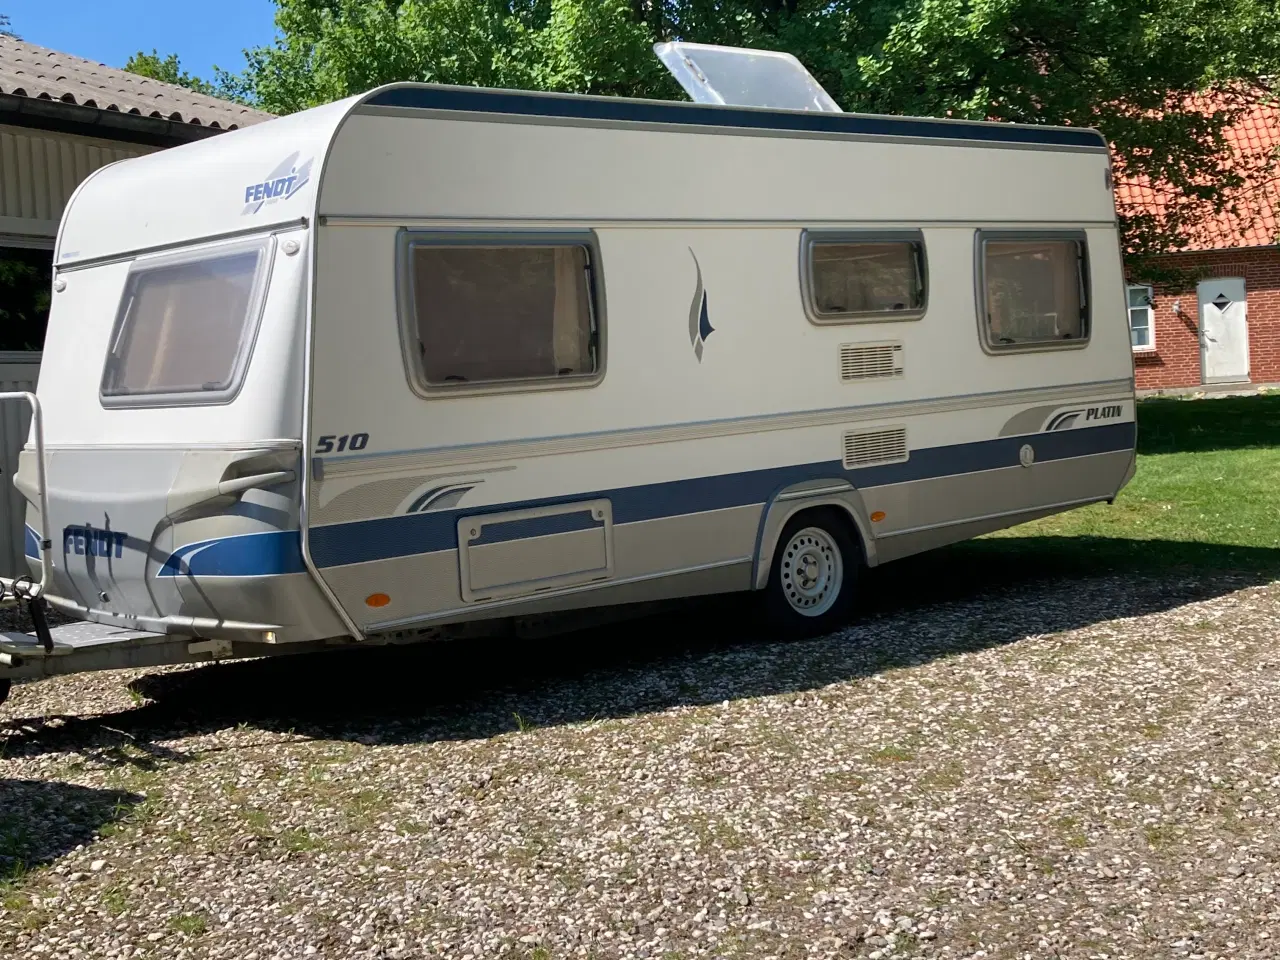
pixel 18 371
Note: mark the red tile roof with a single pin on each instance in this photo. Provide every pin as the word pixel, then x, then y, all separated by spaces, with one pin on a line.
pixel 1255 219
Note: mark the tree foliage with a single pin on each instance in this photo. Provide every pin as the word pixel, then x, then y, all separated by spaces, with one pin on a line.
pixel 1160 78
pixel 168 70
pixel 26 278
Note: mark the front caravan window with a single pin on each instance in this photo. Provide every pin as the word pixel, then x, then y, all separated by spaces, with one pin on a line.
pixel 1033 290
pixel 516 309
pixel 864 276
pixel 185 326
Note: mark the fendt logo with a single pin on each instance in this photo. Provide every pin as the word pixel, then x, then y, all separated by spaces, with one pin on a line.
pixel 88 541
pixel 281 184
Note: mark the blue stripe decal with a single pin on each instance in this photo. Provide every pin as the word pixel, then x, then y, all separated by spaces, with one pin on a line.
pixel 266 554
pixel 247 555
pixel 31 544
pixel 709 115
pixel 400 536
pixel 535 527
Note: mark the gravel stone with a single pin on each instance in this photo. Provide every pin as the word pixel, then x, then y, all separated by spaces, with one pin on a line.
pixel 1084 769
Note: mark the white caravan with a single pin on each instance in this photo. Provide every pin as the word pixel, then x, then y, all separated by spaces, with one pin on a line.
pixel 435 355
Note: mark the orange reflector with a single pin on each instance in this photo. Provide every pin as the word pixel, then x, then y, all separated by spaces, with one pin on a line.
pixel 877 516
pixel 377 600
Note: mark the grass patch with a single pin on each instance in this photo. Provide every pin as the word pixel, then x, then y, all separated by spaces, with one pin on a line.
pixel 299 840
pixel 893 754
pixel 189 924
pixel 367 804
pixel 259 820
pixel 1203 497
pixel 115 900
pixel 947 777
pixel 1161 835
pixel 125 815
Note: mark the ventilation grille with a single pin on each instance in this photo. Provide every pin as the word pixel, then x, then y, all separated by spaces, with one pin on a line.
pixel 870 361
pixel 869 447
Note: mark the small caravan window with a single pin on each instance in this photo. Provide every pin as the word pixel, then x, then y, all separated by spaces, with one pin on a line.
pixel 1033 290
pixel 512 309
pixel 864 277
pixel 185 327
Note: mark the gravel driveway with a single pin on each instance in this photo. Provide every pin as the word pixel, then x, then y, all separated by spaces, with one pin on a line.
pixel 1090 769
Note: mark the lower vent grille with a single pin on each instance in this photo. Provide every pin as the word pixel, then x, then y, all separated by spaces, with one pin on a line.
pixel 866 448
pixel 870 361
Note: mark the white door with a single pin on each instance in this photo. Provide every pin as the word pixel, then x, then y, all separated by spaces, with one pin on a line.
pixel 1224 331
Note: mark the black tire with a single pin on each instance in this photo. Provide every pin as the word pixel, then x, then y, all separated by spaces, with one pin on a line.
pixel 4 689
pixel 799 601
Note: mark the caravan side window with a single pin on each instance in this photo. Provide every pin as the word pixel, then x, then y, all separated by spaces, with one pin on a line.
pixel 850 277
pixel 186 325
pixel 1033 290
pixel 487 310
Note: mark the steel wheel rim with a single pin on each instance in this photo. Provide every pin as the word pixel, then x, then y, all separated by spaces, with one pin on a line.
pixel 812 572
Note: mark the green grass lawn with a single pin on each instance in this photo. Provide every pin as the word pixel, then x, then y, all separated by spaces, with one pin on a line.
pixel 1206 496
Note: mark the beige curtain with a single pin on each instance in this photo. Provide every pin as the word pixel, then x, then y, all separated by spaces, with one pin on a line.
pixel 568 326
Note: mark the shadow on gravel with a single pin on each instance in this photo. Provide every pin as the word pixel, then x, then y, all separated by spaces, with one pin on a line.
pixel 40 820
pixel 970 597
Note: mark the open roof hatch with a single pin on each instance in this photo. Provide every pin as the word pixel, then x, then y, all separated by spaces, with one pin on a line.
pixel 740 77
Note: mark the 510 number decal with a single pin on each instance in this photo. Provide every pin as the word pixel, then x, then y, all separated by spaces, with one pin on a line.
pixel 353 441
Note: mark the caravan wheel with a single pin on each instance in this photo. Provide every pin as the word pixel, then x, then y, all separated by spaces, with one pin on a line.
pixel 815 568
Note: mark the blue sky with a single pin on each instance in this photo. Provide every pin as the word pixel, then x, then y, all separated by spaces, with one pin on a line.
pixel 200 32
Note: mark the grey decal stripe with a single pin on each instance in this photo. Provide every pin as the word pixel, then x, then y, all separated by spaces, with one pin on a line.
pixel 506 603
pixel 379 539
pixel 435 457
pixel 1063 505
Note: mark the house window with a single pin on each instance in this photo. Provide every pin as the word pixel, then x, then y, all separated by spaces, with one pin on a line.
pixel 1142 328
pixel 851 277
pixel 513 310
pixel 1033 290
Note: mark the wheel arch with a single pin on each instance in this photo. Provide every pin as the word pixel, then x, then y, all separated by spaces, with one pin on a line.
pixel 786 502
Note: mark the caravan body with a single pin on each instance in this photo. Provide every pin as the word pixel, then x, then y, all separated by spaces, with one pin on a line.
pixel 436 355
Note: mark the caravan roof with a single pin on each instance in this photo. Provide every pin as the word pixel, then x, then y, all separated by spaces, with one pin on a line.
pixel 268 174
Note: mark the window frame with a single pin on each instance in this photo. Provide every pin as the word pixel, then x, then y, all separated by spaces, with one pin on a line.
pixel 811 238
pixel 266 247
pixel 981 239
pixel 1151 315
pixel 408 238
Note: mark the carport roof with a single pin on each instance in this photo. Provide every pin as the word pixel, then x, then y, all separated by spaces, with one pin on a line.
pixel 27 70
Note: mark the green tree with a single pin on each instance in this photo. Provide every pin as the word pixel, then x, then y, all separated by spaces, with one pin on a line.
pixel 25 280
pixel 1138 70
pixel 168 70
pixel 6 28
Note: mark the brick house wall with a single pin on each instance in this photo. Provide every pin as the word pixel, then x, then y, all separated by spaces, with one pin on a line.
pixel 1175 359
